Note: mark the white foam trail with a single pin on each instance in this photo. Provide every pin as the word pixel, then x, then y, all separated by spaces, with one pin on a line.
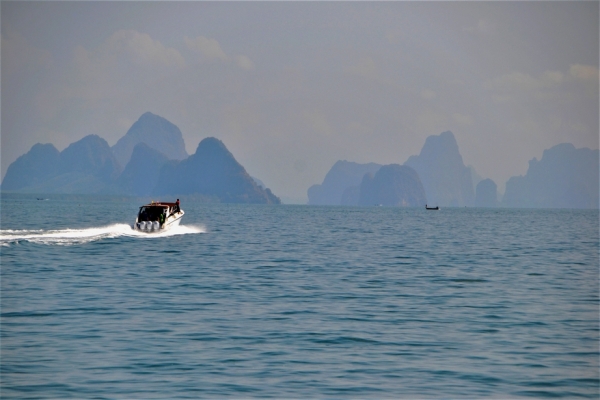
pixel 79 236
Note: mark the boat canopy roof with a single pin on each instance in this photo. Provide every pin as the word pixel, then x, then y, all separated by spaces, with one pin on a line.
pixel 161 204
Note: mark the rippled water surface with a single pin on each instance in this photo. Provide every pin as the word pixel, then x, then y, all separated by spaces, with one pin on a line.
pixel 296 302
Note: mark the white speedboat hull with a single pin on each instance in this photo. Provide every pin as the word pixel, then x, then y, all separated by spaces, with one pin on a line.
pixel 153 224
pixel 173 220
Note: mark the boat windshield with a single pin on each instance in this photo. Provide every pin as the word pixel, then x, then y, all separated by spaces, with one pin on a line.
pixel 150 213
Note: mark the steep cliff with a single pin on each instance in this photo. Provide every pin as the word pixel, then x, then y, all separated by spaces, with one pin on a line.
pixel 157 132
pixel 341 176
pixel 486 194
pixel 37 166
pixel 392 185
pixel 447 181
pixel 141 174
pixel 90 155
pixel 86 166
pixel 212 171
pixel 565 177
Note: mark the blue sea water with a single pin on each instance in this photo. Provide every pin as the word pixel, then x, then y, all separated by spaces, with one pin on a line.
pixel 297 302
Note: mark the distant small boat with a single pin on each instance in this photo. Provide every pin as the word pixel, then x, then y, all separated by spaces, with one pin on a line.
pixel 158 216
pixel 432 208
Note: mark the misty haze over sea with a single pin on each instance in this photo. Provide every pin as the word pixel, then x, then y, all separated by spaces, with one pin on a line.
pixel 291 88
pixel 150 160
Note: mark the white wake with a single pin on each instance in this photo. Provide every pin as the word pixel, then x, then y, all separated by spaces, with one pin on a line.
pixel 86 235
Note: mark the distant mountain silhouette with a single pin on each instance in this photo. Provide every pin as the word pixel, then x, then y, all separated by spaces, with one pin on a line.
pixel 392 185
pixel 86 166
pixel 141 174
pixel 475 177
pixel 447 181
pixel 157 132
pixel 486 194
pixel 351 195
pixel 565 177
pixel 33 168
pixel 259 182
pixel 89 166
pixel 341 176
pixel 212 171
pixel 91 155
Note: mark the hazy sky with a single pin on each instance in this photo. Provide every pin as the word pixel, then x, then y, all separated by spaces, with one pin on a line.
pixel 292 87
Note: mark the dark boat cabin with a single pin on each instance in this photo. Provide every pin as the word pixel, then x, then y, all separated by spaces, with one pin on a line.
pixel 157 212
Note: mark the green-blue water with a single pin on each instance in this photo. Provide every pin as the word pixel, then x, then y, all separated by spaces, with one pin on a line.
pixel 296 302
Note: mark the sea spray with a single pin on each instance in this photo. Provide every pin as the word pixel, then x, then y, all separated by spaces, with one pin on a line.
pixel 86 235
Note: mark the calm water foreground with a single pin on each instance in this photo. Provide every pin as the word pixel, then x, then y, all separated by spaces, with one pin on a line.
pixel 296 301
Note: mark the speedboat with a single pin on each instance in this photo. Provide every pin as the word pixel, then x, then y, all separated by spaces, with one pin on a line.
pixel 158 216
